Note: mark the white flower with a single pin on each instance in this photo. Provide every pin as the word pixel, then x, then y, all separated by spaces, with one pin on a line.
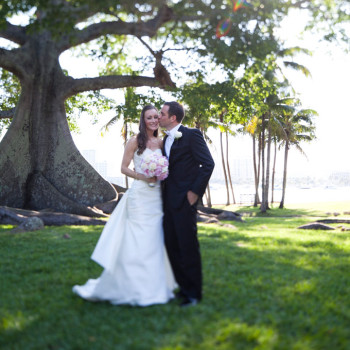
pixel 164 169
pixel 177 135
pixel 152 166
pixel 143 166
pixel 161 161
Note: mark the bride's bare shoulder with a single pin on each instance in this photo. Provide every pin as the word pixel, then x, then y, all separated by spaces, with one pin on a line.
pixel 132 143
pixel 133 140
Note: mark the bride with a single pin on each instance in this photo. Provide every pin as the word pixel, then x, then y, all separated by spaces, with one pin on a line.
pixel 131 248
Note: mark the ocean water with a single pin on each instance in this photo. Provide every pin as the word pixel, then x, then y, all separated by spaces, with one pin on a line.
pixel 244 194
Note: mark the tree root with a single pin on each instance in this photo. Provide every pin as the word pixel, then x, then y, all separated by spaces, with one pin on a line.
pixel 220 213
pixel 42 191
pixel 13 216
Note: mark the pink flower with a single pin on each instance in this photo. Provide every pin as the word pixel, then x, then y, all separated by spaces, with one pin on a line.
pixel 155 165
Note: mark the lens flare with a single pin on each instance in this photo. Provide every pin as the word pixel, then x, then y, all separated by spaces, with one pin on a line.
pixel 223 27
pixel 240 3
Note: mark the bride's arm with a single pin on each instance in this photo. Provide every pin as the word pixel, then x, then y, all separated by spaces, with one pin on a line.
pixel 129 151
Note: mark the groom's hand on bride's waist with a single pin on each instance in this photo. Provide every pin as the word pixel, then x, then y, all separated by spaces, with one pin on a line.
pixel 192 197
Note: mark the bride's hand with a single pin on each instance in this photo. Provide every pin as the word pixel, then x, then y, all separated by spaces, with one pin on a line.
pixel 151 180
pixel 146 179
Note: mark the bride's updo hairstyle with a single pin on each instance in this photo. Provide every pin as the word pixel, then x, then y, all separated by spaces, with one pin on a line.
pixel 142 135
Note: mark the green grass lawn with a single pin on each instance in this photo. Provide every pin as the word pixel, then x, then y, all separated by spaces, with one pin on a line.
pixel 267 285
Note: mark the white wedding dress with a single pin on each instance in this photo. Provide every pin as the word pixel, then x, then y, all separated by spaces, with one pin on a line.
pixel 131 250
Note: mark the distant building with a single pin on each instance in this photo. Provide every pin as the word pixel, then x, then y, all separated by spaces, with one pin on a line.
pixel 242 169
pixel 89 155
pixel 100 167
pixel 340 178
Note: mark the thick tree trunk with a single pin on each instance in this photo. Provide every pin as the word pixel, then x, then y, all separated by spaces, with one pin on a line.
pixel 284 175
pixel 40 166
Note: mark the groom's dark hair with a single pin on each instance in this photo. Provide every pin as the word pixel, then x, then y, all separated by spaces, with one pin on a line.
pixel 175 108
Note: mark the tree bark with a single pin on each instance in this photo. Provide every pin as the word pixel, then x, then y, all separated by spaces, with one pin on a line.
pixel 125 137
pixel 14 33
pixel 273 172
pixel 256 171
pixel 268 158
pixel 7 114
pixel 229 172
pixel 259 162
pixel 208 196
pixel 284 174
pixel 263 206
pixel 224 170
pixel 107 82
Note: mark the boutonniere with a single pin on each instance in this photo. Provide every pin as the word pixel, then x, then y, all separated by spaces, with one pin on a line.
pixel 178 134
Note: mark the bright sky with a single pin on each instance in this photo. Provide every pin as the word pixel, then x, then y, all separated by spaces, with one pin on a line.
pixel 328 93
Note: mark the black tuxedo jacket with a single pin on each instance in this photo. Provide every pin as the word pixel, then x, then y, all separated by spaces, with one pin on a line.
pixel 190 167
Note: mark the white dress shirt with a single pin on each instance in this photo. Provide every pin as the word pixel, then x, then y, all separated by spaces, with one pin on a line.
pixel 170 139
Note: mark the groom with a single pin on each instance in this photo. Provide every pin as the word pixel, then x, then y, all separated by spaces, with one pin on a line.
pixel 190 167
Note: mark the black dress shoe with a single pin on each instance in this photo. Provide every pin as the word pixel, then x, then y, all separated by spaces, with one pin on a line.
pixel 189 302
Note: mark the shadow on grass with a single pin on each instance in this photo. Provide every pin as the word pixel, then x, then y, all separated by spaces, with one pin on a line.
pixel 285 212
pixel 260 292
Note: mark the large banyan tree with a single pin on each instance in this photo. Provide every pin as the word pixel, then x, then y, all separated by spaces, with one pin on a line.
pixel 40 167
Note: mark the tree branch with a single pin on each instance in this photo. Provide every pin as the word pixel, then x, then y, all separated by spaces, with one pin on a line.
pixel 67 11
pixel 12 61
pixel 299 4
pixel 107 82
pixel 16 34
pixel 160 72
pixel 148 28
pixel 8 114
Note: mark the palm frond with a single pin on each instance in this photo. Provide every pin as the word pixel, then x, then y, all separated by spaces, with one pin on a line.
pixel 298 67
pixel 308 112
pixel 291 51
pixel 105 128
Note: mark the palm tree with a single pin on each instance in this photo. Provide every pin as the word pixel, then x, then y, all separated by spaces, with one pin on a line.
pixel 228 170
pixel 276 107
pixel 273 168
pixel 254 129
pixel 221 118
pixel 298 127
pixel 275 104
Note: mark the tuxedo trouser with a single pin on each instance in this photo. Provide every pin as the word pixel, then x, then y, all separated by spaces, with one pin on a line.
pixel 180 235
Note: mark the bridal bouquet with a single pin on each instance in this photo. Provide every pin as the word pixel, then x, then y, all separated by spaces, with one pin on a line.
pixel 155 165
